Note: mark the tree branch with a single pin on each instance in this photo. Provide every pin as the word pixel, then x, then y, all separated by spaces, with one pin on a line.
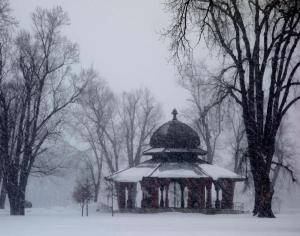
pixel 286 168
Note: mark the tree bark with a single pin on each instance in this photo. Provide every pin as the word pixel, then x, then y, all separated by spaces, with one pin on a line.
pixel 263 198
pixel 17 201
pixel 16 189
pixel 96 193
pixel 262 185
pixel 3 196
pixel 266 195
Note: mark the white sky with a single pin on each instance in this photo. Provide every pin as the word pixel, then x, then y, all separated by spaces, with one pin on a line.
pixel 121 40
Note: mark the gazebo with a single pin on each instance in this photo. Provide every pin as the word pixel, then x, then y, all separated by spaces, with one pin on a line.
pixel 175 161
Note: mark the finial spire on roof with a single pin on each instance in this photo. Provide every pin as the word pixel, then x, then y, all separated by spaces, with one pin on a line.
pixel 174 113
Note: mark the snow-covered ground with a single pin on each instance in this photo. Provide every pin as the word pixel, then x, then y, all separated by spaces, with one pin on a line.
pixel 68 222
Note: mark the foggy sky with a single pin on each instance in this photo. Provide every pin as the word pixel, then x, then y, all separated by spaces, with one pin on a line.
pixel 121 40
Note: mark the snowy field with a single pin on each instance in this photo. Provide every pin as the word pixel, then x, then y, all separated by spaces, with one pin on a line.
pixel 68 222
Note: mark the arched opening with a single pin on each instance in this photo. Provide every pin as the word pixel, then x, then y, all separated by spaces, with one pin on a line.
pixel 139 195
pixel 174 194
pixel 177 195
pixel 217 195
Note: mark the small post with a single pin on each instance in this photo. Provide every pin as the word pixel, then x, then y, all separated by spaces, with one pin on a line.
pixel 87 208
pixel 112 199
pixel 208 194
pixel 174 196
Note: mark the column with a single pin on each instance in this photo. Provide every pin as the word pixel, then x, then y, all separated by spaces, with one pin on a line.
pixel 174 196
pixel 121 195
pixel 130 200
pixel 201 192
pixel 167 195
pixel 182 186
pixel 190 195
pixel 208 194
pixel 143 201
pixel 217 188
pixel 153 193
pixel 161 203
pixel 227 194
pixel 232 194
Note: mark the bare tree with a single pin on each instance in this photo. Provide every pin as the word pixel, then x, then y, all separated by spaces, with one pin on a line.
pixel 284 156
pixel 209 114
pixel 259 41
pixel 93 160
pixel 86 124
pixel 3 193
pixel 107 124
pixel 83 192
pixel 237 136
pixel 32 106
pixel 140 114
pixel 7 24
pixel 100 124
pixel 97 117
pixel 95 166
pixel 6 19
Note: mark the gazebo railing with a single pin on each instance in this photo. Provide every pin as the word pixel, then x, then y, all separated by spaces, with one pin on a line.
pixel 238 206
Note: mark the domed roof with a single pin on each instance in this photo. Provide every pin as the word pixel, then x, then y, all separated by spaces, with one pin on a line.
pixel 174 134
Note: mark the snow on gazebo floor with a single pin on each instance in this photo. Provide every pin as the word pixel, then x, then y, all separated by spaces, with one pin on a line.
pixel 68 222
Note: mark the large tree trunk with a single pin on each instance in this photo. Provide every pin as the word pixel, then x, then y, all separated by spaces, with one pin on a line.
pixel 262 186
pixel 16 201
pixel 16 192
pixel 96 193
pixel 2 196
pixel 265 199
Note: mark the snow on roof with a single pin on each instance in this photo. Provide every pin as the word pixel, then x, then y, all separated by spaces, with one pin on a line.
pixel 134 174
pixel 173 170
pixel 178 170
pixel 216 172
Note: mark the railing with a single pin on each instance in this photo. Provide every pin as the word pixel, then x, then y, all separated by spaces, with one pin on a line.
pixel 238 206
